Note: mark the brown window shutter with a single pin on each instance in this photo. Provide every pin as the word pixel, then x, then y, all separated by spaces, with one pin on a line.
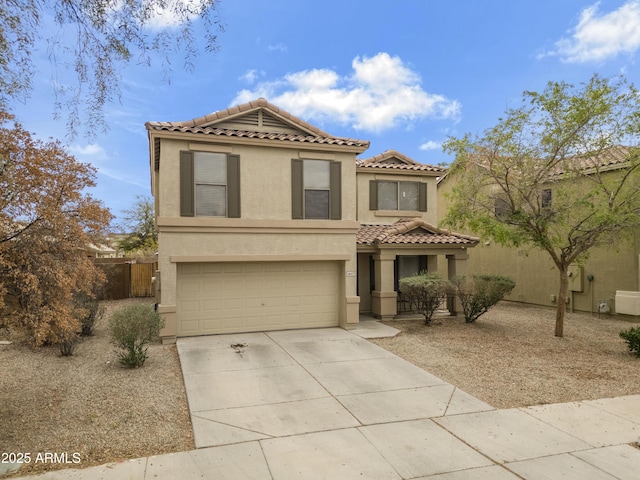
pixel 233 186
pixel 335 194
pixel 297 189
pixel 187 203
pixel 373 195
pixel 422 197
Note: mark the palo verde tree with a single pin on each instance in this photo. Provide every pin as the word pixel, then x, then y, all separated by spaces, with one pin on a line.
pixel 142 237
pixel 560 173
pixel 47 221
pixel 93 40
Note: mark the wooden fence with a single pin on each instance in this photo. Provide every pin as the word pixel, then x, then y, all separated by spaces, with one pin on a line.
pixel 126 279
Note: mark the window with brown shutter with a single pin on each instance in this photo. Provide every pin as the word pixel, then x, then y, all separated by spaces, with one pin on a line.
pixel 316 189
pixel 209 184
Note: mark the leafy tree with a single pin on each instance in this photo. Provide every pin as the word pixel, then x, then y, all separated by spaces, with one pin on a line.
pixel 46 224
pixel 479 293
pixel 552 174
pixel 427 290
pixel 139 221
pixel 96 37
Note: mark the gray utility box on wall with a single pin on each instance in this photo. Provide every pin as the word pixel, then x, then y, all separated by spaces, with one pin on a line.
pixel 576 281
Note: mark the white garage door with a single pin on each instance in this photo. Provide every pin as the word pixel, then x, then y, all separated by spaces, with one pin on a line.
pixel 249 297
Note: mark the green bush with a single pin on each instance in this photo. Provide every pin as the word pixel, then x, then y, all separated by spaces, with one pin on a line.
pixel 479 293
pixel 132 329
pixel 632 337
pixel 426 290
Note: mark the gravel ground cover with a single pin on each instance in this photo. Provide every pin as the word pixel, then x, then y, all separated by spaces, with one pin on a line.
pixel 88 404
pixel 511 358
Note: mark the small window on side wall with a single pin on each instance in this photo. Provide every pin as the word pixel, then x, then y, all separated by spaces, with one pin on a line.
pixel 209 184
pixel 501 208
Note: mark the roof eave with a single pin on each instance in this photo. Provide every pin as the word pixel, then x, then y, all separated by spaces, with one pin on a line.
pixel 226 140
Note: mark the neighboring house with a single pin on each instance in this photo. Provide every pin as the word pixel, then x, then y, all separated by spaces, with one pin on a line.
pixel 257 214
pixel 592 285
pixel 100 250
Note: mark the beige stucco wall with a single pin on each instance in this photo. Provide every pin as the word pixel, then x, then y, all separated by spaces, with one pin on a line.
pixel 613 267
pixel 265 178
pixel 537 278
pixel 387 217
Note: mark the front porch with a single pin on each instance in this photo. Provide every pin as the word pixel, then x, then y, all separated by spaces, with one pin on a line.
pixel 388 253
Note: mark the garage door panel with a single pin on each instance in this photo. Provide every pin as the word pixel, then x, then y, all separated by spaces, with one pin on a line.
pixel 232 267
pixel 211 305
pixel 209 267
pixel 190 326
pixel 188 307
pixel 239 297
pixel 211 286
pixel 272 267
pixel 190 269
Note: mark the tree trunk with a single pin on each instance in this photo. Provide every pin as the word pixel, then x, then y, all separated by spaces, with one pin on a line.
pixel 562 301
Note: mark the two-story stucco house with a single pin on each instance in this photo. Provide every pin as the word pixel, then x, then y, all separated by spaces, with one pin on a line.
pixel 259 217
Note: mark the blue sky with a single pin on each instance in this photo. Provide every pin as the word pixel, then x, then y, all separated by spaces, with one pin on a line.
pixel 402 75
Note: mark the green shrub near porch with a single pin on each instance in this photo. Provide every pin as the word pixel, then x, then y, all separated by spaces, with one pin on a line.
pixel 426 290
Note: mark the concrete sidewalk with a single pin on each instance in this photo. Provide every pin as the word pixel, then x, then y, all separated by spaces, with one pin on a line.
pixel 326 403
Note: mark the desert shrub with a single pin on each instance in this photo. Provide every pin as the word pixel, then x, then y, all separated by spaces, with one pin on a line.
pixel 479 293
pixel 67 344
pixel 90 311
pixel 132 329
pixel 426 290
pixel 632 337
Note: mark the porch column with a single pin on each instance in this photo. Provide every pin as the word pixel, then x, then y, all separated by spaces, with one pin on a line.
pixel 432 263
pixel 384 302
pixel 457 265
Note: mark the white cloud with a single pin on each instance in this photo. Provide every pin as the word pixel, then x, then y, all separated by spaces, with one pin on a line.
pixel 379 94
pixel 93 150
pixel 174 14
pixel 431 145
pixel 250 76
pixel 279 47
pixel 599 37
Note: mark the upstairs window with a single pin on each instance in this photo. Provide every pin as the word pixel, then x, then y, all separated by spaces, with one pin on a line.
pixel 209 184
pixel 316 189
pixel 210 177
pixel 402 196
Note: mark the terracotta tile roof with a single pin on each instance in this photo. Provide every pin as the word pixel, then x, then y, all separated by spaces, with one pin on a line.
pixel 616 155
pixel 205 125
pixel 608 158
pixel 413 231
pixel 382 161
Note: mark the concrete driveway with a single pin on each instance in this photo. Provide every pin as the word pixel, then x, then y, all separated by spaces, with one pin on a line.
pixel 327 404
